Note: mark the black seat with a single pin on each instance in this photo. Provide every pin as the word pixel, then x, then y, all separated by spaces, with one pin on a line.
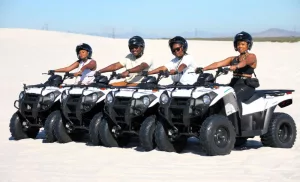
pixel 204 78
pixel 255 96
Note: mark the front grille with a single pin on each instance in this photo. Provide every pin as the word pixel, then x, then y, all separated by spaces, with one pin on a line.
pixel 122 101
pixel 179 101
pixel 31 98
pixel 177 106
pixel 72 103
pixel 121 104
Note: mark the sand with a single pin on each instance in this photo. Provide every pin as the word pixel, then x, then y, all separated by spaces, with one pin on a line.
pixel 26 54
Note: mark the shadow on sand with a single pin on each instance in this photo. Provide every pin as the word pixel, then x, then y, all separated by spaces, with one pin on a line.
pixel 192 146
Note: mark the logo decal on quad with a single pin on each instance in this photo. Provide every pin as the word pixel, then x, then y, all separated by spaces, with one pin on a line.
pixel 227 90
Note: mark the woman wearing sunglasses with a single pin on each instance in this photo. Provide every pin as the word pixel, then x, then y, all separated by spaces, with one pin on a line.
pixel 181 67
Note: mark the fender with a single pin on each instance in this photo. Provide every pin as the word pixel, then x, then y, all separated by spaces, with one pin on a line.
pixel 230 104
pixel 278 100
pixel 268 118
pixel 77 91
pixel 124 93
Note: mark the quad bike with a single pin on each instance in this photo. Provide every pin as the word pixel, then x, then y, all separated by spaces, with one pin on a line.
pixel 132 111
pixel 211 113
pixel 36 106
pixel 81 110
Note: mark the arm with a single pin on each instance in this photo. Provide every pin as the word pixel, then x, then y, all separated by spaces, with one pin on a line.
pixel 69 68
pixel 155 71
pixel 186 62
pixel 138 68
pixel 250 60
pixel 179 70
pixel 112 67
pixel 91 65
pixel 216 65
pixel 181 67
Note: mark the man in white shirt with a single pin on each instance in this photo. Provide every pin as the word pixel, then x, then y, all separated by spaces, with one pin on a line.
pixel 135 63
pixel 182 67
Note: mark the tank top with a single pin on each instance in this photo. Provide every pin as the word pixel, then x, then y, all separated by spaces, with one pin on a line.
pixel 87 76
pixel 245 70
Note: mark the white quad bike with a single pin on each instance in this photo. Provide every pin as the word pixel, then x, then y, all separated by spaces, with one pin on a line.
pixel 131 112
pixel 211 113
pixel 36 106
pixel 81 110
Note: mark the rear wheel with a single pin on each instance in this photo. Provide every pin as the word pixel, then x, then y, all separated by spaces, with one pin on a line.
pixel 240 141
pixel 165 143
pixel 17 130
pixel 109 135
pixel 281 132
pixel 217 135
pixel 146 133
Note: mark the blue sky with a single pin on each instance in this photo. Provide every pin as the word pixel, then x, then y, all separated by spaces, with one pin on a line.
pixel 151 16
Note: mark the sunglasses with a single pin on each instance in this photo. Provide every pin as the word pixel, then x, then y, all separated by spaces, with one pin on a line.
pixel 176 49
pixel 133 47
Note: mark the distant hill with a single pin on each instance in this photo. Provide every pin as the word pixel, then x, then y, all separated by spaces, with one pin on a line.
pixel 276 32
pixel 272 32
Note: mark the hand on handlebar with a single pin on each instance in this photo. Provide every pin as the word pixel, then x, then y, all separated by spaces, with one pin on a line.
pixel 77 74
pixel 144 73
pixel 199 70
pixel 173 72
pixel 233 68
pixel 97 73
pixel 224 70
pixel 51 72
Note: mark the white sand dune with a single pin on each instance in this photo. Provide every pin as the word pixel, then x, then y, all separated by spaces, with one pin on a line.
pixel 25 54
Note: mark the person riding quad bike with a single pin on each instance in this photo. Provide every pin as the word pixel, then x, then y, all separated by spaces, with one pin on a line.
pixel 85 65
pixel 135 63
pixel 181 67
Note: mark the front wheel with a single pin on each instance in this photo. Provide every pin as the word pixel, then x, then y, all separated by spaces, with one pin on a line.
pixel 17 130
pixel 146 133
pixel 61 133
pixel 281 132
pixel 217 135
pixel 164 142
pixel 49 127
pixel 109 135
pixel 94 129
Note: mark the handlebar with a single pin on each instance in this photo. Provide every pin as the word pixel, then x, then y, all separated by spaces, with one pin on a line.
pixel 113 75
pixel 160 73
pixel 223 70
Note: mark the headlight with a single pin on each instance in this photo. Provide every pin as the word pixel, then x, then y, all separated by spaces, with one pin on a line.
pixel 21 95
pixel 64 95
pixel 206 99
pixel 50 97
pixel 92 97
pixel 164 98
pixel 109 98
pixel 146 101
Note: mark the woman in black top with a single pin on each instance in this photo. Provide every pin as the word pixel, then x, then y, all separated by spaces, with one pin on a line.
pixel 242 66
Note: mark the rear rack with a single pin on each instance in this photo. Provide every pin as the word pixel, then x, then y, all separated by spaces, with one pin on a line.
pixel 274 92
